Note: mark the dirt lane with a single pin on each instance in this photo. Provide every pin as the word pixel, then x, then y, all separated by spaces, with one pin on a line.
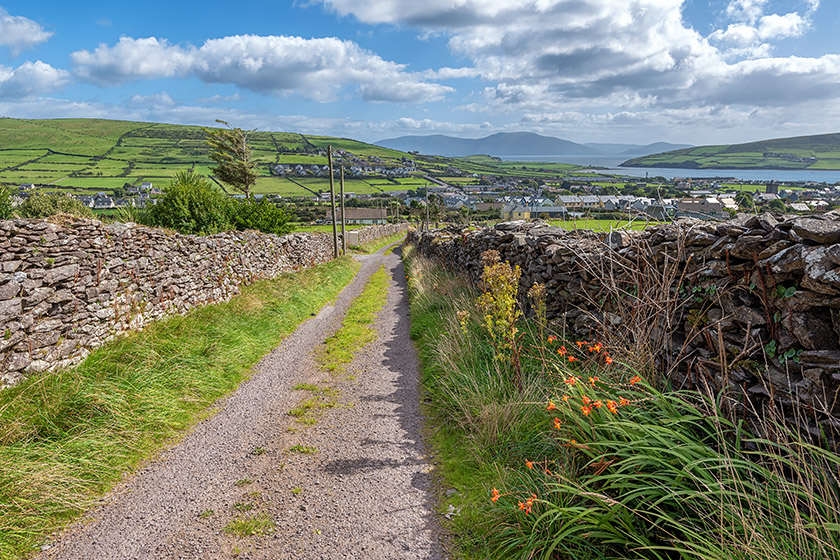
pixel 363 494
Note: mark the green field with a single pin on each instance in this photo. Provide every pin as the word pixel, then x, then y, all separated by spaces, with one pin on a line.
pixel 603 225
pixel 780 153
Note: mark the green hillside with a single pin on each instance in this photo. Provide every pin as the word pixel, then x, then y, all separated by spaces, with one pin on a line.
pixel 821 152
pixel 83 156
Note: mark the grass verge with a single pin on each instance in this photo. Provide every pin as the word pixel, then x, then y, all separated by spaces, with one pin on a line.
pixel 67 437
pixel 356 330
pixel 589 461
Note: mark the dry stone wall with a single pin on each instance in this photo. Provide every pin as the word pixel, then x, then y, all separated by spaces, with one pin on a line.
pixel 67 286
pixel 751 305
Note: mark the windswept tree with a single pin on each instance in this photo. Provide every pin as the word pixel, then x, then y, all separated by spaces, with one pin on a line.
pixel 230 150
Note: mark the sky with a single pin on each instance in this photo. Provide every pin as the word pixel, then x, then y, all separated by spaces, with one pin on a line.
pixel 633 71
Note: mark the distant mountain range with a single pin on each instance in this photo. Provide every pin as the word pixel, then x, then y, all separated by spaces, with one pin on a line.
pixel 820 151
pixel 518 144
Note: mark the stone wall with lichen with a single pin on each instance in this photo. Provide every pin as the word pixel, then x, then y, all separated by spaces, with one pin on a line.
pixel 751 306
pixel 68 285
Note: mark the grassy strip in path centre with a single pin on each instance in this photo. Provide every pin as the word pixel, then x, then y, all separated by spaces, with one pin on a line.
pixel 373 246
pixel 356 330
pixel 67 437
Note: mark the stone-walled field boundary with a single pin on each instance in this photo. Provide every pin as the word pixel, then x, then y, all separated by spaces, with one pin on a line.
pixel 752 305
pixel 70 284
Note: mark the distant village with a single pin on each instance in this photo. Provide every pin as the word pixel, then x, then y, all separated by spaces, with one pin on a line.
pixel 514 198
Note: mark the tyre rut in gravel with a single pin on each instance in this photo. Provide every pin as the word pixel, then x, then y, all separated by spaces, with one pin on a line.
pixel 354 484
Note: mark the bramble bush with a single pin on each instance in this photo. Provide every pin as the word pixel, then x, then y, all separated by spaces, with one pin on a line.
pixel 262 216
pixel 191 204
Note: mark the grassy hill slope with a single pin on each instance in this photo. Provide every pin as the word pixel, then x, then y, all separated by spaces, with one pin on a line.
pixel 85 156
pixel 90 155
pixel 820 152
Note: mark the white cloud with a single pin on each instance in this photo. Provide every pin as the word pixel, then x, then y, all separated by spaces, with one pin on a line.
pixel 220 98
pixel 746 10
pixel 30 78
pixel 318 69
pixel 614 55
pixel 20 33
pixel 132 59
pixel 156 100
pixel 775 26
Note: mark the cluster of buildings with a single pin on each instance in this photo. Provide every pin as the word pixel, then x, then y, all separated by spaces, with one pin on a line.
pixel 314 170
pixel 659 209
pixel 354 166
pixel 138 196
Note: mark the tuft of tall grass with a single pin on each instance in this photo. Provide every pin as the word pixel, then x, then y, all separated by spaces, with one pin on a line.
pixel 618 469
pixel 66 437
pixel 669 476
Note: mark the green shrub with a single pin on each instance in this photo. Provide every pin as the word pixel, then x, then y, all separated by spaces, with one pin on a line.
pixel 263 216
pixel 191 204
pixel 44 205
pixel 6 209
pixel 134 214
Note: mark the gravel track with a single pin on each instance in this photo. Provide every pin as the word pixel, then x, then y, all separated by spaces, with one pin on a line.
pixel 365 493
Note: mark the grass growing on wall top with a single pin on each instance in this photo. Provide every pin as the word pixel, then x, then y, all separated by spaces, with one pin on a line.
pixel 66 437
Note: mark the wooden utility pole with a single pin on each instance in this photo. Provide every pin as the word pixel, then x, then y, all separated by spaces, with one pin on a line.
pixel 427 206
pixel 343 232
pixel 332 203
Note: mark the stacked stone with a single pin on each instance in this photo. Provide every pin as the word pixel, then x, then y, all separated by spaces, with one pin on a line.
pixel 67 286
pixel 756 300
pixel 371 233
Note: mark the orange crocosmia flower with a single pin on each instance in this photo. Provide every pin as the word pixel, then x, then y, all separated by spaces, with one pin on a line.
pixel 580 343
pixel 597 404
pixel 557 423
pixel 562 351
pixel 547 471
pixel 529 464
pixel 551 339
pixel 573 442
pixel 592 380
pixel 585 399
pixel 608 360
pixel 526 505
pixel 571 380
pixel 623 402
pixel 635 379
pixel 572 359
pixel 566 398
pixel 611 407
pixel 550 406
pixel 495 496
pixel 586 410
